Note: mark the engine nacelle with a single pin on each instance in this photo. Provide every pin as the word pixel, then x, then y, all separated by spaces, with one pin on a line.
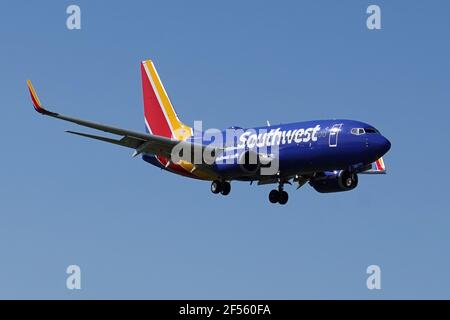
pixel 335 181
pixel 248 163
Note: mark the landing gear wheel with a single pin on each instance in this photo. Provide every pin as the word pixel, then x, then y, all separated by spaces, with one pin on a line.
pixel 283 197
pixel 274 196
pixel 348 182
pixel 216 187
pixel 226 188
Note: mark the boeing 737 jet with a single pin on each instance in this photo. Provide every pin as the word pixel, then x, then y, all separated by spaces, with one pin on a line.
pixel 327 154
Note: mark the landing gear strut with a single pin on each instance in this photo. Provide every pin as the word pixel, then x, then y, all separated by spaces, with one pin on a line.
pixel 279 195
pixel 222 187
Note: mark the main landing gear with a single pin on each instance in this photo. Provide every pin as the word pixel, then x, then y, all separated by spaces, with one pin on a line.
pixel 222 187
pixel 279 195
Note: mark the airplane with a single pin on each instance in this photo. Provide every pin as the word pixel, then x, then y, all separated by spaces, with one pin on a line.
pixel 327 154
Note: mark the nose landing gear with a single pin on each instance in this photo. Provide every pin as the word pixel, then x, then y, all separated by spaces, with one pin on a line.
pixel 222 187
pixel 279 195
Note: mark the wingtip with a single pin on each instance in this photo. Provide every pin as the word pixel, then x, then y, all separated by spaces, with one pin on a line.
pixel 35 99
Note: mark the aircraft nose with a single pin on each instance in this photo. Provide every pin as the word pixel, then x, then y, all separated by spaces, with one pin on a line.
pixel 381 145
pixel 387 145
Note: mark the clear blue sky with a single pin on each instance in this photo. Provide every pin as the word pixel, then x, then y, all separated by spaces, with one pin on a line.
pixel 137 232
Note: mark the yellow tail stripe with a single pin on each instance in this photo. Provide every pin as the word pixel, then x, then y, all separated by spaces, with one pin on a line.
pixel 180 131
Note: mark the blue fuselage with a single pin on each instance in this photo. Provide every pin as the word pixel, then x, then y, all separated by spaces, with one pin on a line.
pixel 301 147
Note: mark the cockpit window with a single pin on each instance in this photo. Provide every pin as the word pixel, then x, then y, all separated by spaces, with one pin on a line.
pixel 360 131
pixel 357 131
pixel 371 130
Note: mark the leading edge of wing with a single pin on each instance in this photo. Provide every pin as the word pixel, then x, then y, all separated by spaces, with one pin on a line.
pixel 123 132
pixel 142 142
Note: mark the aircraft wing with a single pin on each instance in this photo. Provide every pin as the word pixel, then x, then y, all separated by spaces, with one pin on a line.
pixel 141 142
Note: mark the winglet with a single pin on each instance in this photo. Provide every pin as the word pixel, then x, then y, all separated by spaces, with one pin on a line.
pixel 36 102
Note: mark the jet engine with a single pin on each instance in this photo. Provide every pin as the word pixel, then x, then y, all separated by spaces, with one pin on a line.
pixel 335 181
pixel 248 163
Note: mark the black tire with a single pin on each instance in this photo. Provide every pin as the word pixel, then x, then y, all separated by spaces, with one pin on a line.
pixel 283 197
pixel 226 188
pixel 348 182
pixel 355 181
pixel 216 187
pixel 274 195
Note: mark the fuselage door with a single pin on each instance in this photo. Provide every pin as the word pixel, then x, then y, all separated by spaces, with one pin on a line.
pixel 334 133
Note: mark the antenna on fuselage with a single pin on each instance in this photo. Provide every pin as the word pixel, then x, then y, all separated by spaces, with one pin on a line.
pixel 268 123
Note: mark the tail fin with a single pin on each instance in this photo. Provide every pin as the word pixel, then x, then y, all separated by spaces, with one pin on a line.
pixel 160 116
